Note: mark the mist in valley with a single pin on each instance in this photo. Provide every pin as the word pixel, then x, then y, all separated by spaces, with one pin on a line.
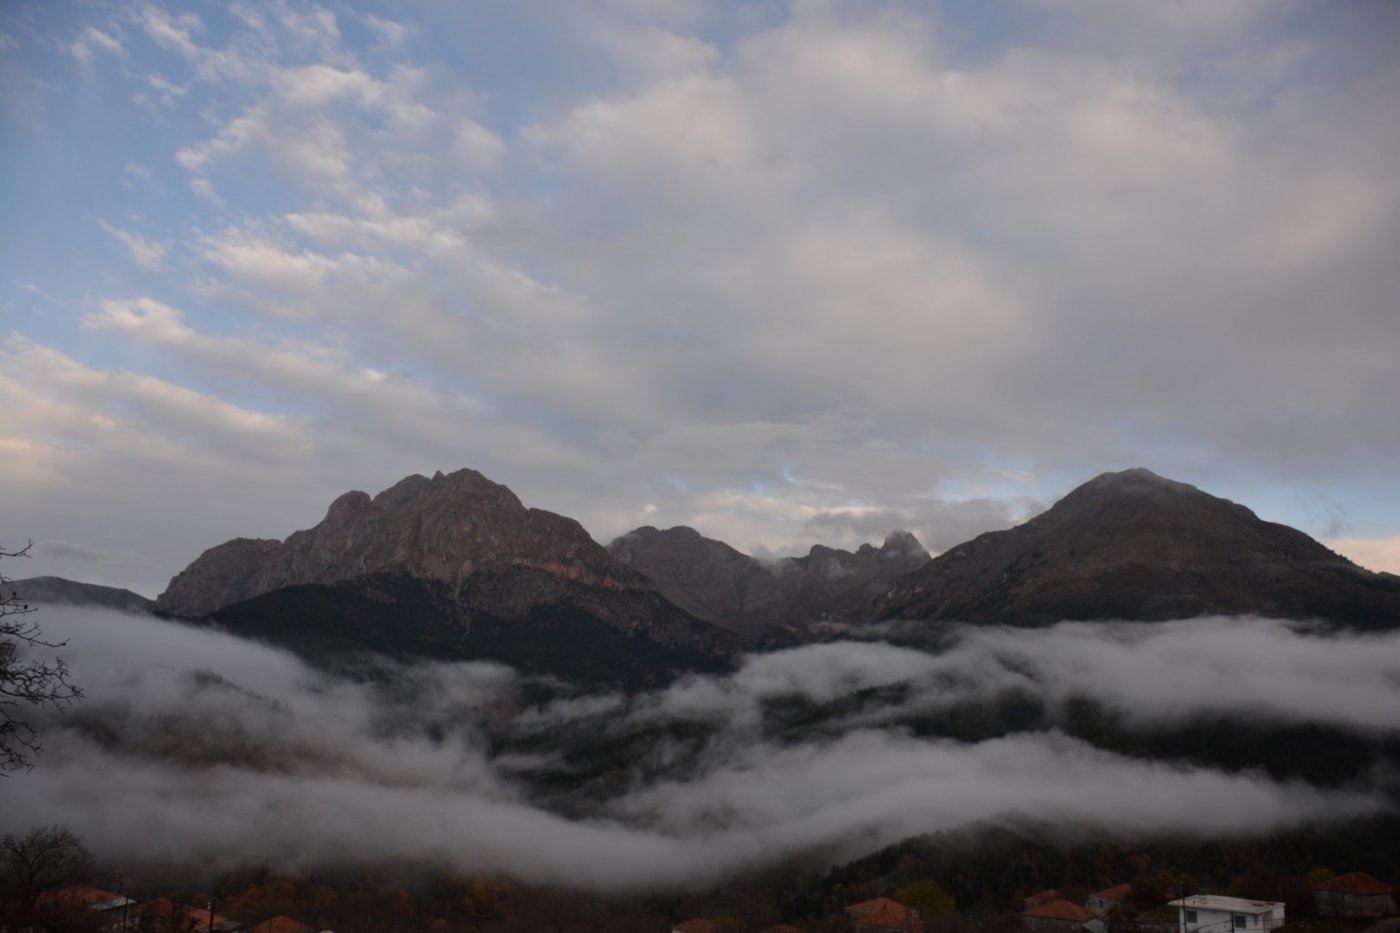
pixel 199 748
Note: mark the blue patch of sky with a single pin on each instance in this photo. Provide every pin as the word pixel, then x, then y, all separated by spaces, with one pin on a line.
pixel 976 34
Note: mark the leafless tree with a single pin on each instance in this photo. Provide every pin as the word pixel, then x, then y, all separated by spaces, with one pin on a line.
pixel 45 859
pixel 25 680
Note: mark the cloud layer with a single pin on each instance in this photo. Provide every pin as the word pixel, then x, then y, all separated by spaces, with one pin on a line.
pixel 785 272
pixel 197 748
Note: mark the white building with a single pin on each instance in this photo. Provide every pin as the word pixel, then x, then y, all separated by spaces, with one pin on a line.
pixel 1215 913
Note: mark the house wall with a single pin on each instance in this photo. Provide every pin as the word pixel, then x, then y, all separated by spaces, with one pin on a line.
pixel 1100 905
pixel 1223 921
pixel 1049 925
pixel 1339 904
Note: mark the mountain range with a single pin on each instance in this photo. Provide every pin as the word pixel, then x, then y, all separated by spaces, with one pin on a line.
pixel 454 566
pixel 719 584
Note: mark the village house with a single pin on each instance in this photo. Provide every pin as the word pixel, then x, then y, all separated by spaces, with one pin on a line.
pixel 698 925
pixel 1101 902
pixel 883 915
pixel 281 925
pixel 157 915
pixel 1216 913
pixel 1056 916
pixel 1354 895
pixel 1041 898
pixel 109 911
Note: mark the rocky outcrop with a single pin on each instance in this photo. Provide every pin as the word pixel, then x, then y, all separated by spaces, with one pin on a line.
pixel 55 591
pixel 1133 545
pixel 715 582
pixel 429 567
pixel 446 528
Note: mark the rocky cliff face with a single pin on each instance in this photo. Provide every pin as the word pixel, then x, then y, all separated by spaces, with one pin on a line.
pixel 446 528
pixel 452 567
pixel 715 582
pixel 1133 545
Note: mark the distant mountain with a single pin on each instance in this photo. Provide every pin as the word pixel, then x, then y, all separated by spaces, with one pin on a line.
pixel 58 591
pixel 713 581
pixel 451 567
pixel 1133 545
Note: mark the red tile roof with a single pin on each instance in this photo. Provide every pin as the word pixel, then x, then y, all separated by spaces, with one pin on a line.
pixel 161 908
pixel 202 918
pixel 81 896
pixel 1119 892
pixel 1061 910
pixel 883 912
pixel 1358 882
pixel 1044 897
pixel 282 925
pixel 878 905
pixel 698 925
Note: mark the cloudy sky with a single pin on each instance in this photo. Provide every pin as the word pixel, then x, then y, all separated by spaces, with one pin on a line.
pixel 784 271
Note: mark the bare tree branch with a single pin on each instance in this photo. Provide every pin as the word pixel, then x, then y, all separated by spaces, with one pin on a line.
pixel 25 680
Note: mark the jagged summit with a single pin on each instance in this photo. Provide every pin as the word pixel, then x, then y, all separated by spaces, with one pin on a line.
pixel 1135 545
pixel 717 583
pixel 445 528
pixel 453 566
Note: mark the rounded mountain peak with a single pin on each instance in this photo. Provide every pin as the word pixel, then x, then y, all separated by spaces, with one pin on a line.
pixel 1134 545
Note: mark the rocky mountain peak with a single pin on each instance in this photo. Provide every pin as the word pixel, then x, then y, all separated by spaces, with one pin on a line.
pixel 447 527
pixel 715 582
pixel 902 544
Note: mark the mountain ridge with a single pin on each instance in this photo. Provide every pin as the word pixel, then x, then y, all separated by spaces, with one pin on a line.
pixel 431 566
pixel 1133 545
pixel 718 583
pixel 62 591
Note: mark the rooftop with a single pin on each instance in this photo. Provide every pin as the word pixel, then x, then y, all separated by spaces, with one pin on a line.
pixel 84 896
pixel 1061 910
pixel 282 925
pixel 1357 882
pixel 1234 905
pixel 1043 897
pixel 698 925
pixel 886 913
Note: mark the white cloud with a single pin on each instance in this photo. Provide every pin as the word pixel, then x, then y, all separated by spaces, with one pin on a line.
pixel 308 769
pixel 205 189
pixel 174 33
pixel 160 91
pixel 92 39
pixel 389 31
pixel 384 403
pixel 147 254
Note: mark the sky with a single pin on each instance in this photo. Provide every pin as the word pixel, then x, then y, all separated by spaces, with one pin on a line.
pixel 786 272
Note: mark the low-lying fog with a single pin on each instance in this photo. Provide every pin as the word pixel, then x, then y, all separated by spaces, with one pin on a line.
pixel 200 747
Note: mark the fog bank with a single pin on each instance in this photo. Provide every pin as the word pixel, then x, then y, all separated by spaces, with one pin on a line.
pixel 205 749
